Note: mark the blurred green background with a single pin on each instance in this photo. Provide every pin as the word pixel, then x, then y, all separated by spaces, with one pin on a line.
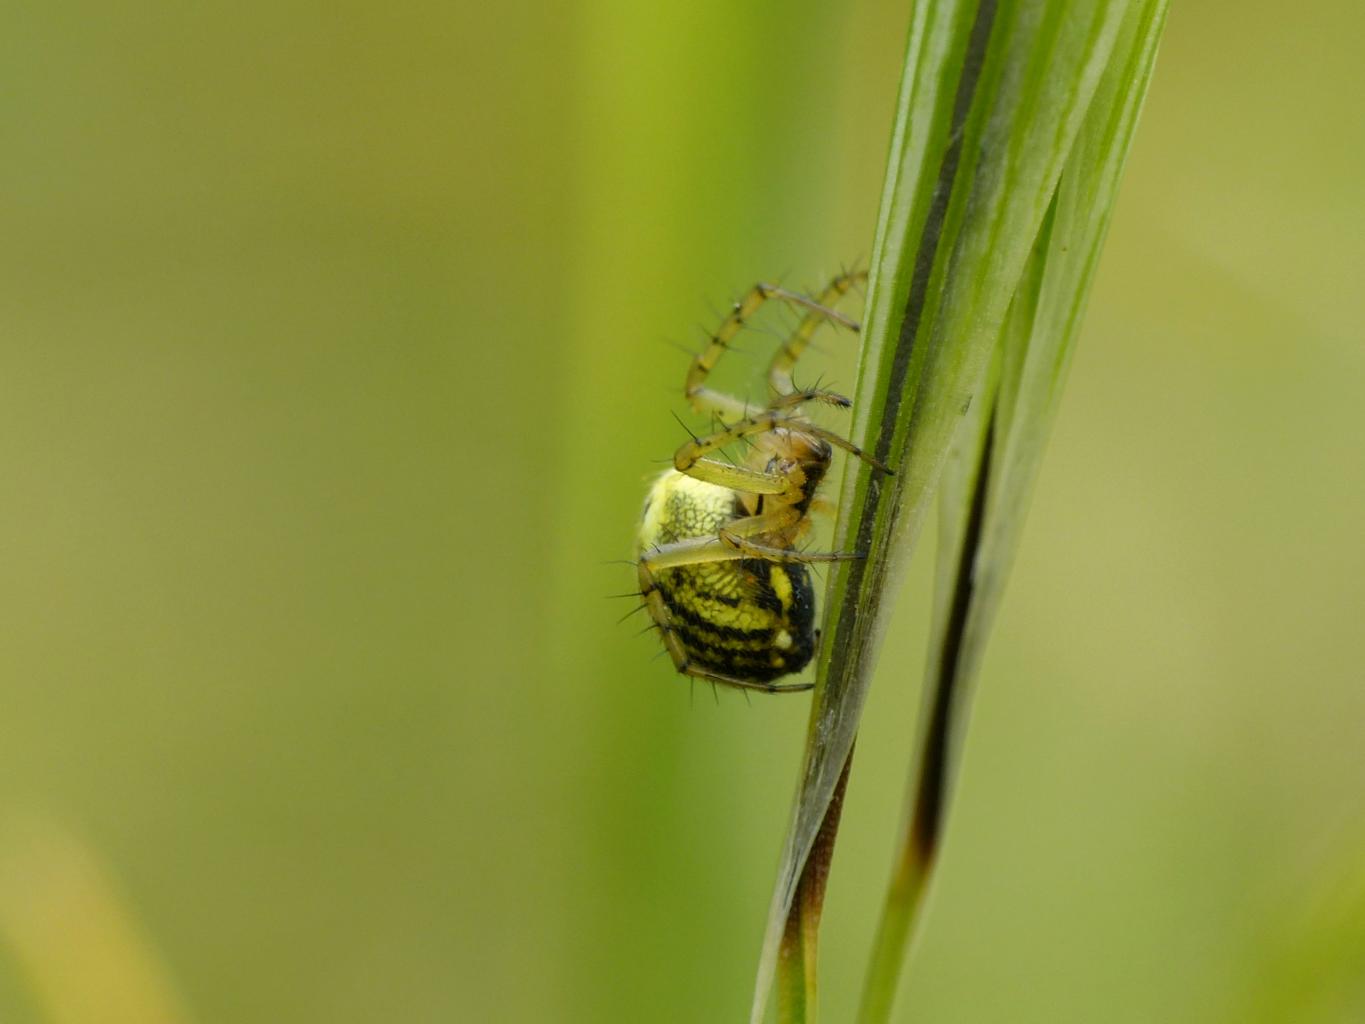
pixel 335 359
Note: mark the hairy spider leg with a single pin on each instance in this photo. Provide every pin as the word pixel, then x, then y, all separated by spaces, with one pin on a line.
pixel 784 525
pixel 691 458
pixel 705 399
pixel 729 548
pixel 780 370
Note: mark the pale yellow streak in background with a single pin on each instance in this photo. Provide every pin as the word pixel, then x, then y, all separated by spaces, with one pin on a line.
pixel 78 944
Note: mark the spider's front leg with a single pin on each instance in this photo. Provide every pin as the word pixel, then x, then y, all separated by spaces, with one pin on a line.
pixel 692 457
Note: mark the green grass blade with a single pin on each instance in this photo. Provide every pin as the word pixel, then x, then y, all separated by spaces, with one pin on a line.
pixel 991 100
pixel 987 484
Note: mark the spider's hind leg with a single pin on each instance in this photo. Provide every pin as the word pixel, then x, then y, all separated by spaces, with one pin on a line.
pixel 744 684
pixel 705 399
pixel 780 370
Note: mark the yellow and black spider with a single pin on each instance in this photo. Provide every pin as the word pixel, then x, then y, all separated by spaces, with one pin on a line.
pixel 716 551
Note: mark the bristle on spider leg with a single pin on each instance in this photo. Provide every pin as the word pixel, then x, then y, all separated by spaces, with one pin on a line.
pixel 687 350
pixel 631 613
pixel 685 427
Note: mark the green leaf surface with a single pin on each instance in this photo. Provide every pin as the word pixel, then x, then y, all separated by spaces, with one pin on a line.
pixel 989 479
pixel 991 101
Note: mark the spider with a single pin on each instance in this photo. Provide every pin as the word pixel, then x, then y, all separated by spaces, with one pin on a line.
pixel 716 551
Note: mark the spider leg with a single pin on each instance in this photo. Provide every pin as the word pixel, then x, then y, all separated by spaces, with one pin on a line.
pixel 780 370
pixel 691 458
pixel 844 443
pixel 731 545
pixel 782 525
pixel 703 398
pixel 743 684
pixel 692 551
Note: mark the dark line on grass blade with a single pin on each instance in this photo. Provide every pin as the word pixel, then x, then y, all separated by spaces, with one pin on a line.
pixel 973 62
pixel 849 620
pixel 927 820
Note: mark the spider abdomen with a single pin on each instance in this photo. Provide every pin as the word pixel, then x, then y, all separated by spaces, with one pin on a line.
pixel 746 619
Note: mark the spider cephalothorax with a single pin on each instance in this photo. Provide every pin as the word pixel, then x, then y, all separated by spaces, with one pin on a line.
pixel 718 565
